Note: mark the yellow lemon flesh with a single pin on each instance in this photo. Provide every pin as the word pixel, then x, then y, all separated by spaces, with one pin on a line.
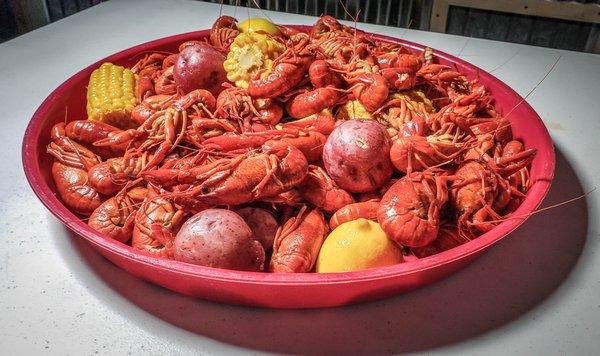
pixel 357 245
pixel 258 24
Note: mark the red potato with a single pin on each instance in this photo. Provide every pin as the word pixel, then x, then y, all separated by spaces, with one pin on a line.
pixel 262 223
pixel 200 67
pixel 219 238
pixel 357 156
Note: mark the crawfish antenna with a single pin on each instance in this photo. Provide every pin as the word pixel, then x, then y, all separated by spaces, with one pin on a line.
pixel 406 29
pixel 537 85
pixel 355 26
pixel 505 62
pixel 130 184
pixel 149 51
pixel 261 10
pixel 553 206
pixel 354 18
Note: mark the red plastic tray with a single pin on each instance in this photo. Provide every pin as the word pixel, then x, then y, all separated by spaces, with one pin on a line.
pixel 304 290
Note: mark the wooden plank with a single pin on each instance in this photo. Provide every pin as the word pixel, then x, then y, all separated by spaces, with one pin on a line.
pixel 439 16
pixel 424 14
pixel 568 10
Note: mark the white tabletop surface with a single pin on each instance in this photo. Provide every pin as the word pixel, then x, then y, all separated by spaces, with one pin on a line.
pixel 537 292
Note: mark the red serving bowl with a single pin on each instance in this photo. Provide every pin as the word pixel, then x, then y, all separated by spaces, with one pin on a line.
pixel 302 290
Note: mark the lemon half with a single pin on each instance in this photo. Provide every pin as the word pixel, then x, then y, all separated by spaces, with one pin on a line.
pixel 357 245
pixel 258 24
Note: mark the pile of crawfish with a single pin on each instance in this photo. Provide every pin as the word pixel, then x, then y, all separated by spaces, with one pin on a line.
pixel 456 170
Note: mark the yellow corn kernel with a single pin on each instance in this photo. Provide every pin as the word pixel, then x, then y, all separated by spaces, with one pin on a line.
pixel 250 53
pixel 413 99
pixel 111 95
pixel 353 109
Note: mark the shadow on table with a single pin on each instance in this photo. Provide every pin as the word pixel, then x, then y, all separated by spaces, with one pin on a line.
pixel 510 279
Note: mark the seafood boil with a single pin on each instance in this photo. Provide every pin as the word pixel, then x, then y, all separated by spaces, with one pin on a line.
pixel 257 147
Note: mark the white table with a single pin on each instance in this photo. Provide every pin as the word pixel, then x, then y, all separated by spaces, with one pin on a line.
pixel 536 292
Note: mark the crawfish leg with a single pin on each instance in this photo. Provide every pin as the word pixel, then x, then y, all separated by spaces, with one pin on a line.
pixel 168 143
pixel 272 164
pixel 480 217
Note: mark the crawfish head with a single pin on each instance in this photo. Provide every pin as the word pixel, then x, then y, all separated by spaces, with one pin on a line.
pixel 474 185
pixel 156 223
pixel 74 189
pixel 287 70
pixel 409 210
pixel 223 32
pixel 473 191
pixel 371 90
pixel 324 25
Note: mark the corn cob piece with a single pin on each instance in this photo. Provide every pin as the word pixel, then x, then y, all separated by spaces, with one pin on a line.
pixel 353 109
pixel 250 53
pixel 111 95
pixel 414 99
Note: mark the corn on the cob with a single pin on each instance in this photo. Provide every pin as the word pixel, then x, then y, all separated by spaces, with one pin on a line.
pixel 249 53
pixel 111 95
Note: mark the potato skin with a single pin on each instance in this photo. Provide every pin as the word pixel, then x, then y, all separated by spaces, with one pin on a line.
pixel 219 238
pixel 262 223
pixel 200 67
pixel 357 156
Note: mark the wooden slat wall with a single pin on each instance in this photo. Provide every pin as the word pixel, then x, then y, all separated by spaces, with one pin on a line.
pixel 8 24
pixel 399 13
pixel 537 31
pixel 57 9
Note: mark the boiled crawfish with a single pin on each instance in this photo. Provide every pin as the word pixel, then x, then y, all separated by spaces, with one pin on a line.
pixel 287 70
pixel 417 153
pixel 409 211
pixel 480 190
pixel 155 225
pixel 364 209
pixel 298 241
pixel 69 171
pixel 238 180
pixel 223 32
pixel 320 190
pixel 235 103
pixel 115 216
pixel 106 140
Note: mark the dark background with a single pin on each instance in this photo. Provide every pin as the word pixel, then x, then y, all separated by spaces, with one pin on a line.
pixel 16 18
